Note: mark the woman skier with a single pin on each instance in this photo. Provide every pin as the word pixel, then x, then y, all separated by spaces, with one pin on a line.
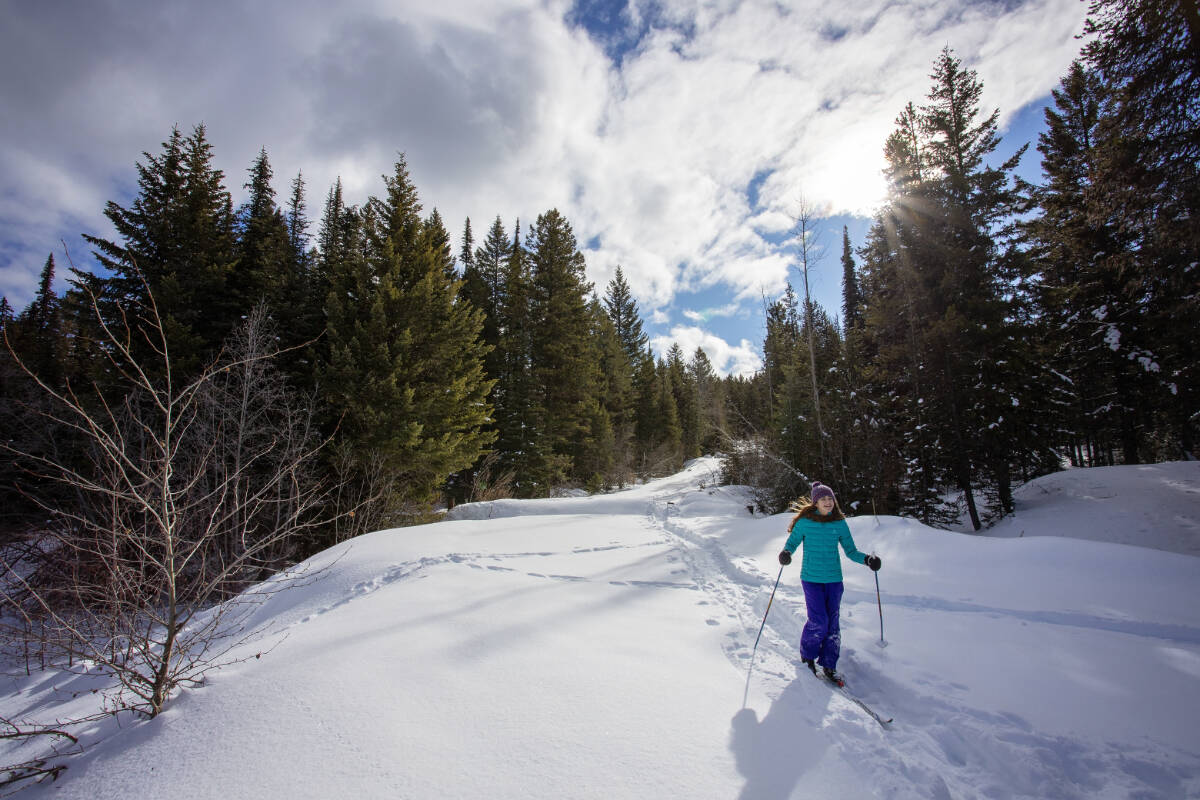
pixel 820 526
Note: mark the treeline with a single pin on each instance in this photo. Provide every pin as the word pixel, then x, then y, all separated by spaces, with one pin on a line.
pixel 418 375
pixel 993 330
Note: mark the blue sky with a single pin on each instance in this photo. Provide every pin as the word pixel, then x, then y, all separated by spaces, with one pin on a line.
pixel 677 136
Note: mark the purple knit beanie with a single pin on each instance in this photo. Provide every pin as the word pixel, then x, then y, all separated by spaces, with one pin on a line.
pixel 820 490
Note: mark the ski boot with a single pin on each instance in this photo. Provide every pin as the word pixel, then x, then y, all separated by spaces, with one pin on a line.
pixel 833 676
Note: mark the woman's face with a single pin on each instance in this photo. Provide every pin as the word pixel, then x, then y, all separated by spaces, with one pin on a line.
pixel 825 505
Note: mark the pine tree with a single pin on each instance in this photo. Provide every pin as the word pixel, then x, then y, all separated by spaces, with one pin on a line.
pixel 405 364
pixel 615 396
pixel 297 222
pixel 563 360
pixel 42 341
pixel 439 241
pixel 1081 291
pixel 263 246
pixel 945 316
pixel 1147 54
pixel 6 315
pixel 851 299
pixel 623 311
pixel 483 286
pixel 710 400
pixel 177 240
pixel 300 311
pixel 686 404
pixel 667 456
pixel 621 367
pixel 519 415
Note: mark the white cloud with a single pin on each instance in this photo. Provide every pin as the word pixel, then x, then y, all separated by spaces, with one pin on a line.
pixel 502 108
pixel 726 359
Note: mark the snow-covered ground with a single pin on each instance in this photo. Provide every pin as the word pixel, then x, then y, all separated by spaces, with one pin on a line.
pixel 600 647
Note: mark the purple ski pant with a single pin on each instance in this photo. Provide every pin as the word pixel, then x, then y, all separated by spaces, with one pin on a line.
pixel 822 636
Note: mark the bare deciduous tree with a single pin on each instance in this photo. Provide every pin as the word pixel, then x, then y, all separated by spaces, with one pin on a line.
pixel 805 243
pixel 191 490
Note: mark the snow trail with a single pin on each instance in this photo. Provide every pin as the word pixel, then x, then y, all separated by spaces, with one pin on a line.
pixel 592 646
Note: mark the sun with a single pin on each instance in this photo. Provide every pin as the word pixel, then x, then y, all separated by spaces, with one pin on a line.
pixel 848 176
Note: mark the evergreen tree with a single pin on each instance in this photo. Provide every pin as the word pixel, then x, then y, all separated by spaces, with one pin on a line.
pixel 519 415
pixel 40 330
pixel 686 403
pixel 489 263
pixel 177 240
pixel 300 312
pixel 439 240
pixel 297 223
pixel 483 286
pixel 944 310
pixel 623 311
pixel 466 255
pixel 1081 289
pixel 781 345
pixel 1147 54
pixel 405 365
pixel 710 400
pixel 667 455
pixel 6 315
pixel 263 247
pixel 851 299
pixel 616 396
pixel 563 358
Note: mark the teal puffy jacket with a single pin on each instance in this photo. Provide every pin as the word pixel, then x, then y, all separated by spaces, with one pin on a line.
pixel 821 540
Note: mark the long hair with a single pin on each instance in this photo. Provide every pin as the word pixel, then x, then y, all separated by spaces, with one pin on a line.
pixel 805 508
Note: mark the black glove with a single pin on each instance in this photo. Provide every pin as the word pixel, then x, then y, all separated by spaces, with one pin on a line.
pixel 874 562
pixel 785 557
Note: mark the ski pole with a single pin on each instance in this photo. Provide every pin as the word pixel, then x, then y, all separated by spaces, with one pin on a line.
pixel 878 600
pixel 764 622
pixel 749 672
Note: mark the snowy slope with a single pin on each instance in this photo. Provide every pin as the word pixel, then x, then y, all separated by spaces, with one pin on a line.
pixel 1150 505
pixel 599 647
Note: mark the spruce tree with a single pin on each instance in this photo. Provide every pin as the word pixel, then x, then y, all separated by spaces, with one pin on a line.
pixel 439 241
pixel 519 415
pixel 405 364
pixel 710 400
pixel 946 319
pixel 1147 54
pixel 483 286
pixel 1081 256
pixel 297 222
pixel 623 311
pixel 300 312
pixel 851 299
pixel 6 315
pixel 176 240
pixel 667 455
pixel 686 403
pixel 616 395
pixel 263 249
pixel 42 343
pixel 563 358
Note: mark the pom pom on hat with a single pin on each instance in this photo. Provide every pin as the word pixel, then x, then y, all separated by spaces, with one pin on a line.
pixel 820 490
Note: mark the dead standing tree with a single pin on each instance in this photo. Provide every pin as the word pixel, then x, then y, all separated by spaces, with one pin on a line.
pixel 806 245
pixel 183 501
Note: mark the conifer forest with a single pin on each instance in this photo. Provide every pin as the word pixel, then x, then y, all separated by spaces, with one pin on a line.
pixel 241 387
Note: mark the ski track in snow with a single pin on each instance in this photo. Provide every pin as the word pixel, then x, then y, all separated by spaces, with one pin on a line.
pixel 940 745
pixel 983 753
pixel 997 755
